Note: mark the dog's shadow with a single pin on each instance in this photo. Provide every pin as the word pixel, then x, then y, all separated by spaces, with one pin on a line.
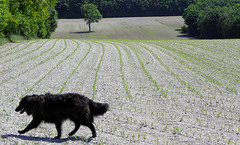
pixel 47 139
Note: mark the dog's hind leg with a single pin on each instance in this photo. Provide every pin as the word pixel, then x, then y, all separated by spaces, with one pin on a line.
pixel 87 121
pixel 59 129
pixel 77 125
pixel 33 124
pixel 91 126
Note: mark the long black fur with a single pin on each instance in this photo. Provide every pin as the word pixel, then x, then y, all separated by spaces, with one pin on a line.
pixel 55 108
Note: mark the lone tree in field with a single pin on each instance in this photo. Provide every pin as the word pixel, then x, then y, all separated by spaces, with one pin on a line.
pixel 91 14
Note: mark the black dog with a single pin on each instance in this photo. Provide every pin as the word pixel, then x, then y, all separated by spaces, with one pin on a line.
pixel 59 107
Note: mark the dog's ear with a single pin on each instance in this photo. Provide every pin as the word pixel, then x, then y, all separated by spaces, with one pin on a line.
pixel 24 100
pixel 27 101
pixel 31 98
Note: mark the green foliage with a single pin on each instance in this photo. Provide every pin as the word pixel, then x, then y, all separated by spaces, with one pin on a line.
pixel 51 23
pixel 91 14
pixel 4 16
pixel 213 19
pixel 116 8
pixel 29 18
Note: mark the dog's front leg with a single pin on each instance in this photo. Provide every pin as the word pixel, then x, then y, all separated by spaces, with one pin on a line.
pixel 33 124
pixel 59 129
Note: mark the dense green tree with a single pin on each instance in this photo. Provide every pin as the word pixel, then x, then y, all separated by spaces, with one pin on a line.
pixel 14 18
pixel 213 19
pixel 29 18
pixel 209 23
pixel 234 22
pixel 91 14
pixel 115 8
pixel 191 19
pixel 51 23
pixel 4 16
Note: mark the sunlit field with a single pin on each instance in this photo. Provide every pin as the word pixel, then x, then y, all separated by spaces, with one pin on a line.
pixel 133 28
pixel 159 92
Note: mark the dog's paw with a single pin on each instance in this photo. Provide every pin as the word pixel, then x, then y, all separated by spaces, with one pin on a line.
pixel 21 131
pixel 57 137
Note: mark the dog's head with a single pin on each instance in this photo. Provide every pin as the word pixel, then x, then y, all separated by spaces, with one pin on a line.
pixel 26 104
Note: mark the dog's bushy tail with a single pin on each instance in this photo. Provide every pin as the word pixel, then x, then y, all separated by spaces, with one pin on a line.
pixel 98 108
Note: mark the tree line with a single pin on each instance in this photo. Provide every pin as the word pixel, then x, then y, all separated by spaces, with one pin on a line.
pixel 28 18
pixel 38 18
pixel 213 19
pixel 122 8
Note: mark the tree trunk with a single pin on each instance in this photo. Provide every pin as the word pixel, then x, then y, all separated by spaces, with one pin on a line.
pixel 89 25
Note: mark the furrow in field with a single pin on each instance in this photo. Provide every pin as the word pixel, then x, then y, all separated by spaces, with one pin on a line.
pixel 144 96
pixel 124 103
pixel 208 85
pixel 19 50
pixel 19 60
pixel 218 65
pixel 78 65
pixel 30 49
pixel 83 78
pixel 96 74
pixel 109 88
pixel 212 52
pixel 227 55
pixel 171 118
pixel 109 80
pixel 29 75
pixel 189 72
pixel 135 77
pixel 160 72
pixel 9 46
pixel 29 63
pixel 226 51
pixel 159 92
pixel 206 107
pixel 175 94
pixel 121 70
pixel 233 44
pixel 54 79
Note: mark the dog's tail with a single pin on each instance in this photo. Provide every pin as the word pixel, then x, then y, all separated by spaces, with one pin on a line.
pixel 98 108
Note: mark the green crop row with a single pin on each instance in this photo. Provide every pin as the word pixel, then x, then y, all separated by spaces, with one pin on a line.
pixel 98 67
pixel 90 47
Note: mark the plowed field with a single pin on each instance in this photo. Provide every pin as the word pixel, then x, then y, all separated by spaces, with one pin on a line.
pixel 159 92
pixel 132 28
